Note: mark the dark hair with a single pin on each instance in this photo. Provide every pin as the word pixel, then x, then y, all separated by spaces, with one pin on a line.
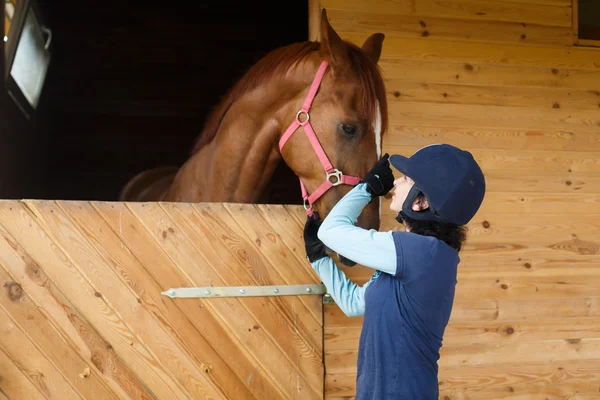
pixel 453 235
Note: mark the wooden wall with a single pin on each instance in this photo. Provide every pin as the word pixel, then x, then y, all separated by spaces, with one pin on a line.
pixel 82 315
pixel 503 80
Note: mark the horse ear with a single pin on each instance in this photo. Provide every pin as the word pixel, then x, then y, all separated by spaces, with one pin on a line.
pixel 333 48
pixel 372 46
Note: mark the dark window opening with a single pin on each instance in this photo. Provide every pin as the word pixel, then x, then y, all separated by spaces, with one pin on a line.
pixel 588 19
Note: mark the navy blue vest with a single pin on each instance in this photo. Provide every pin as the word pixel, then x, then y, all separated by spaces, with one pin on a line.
pixel 404 322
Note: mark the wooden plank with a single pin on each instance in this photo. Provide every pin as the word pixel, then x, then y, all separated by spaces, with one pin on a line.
pixel 457 93
pixel 272 248
pixel 203 315
pixel 500 381
pixel 14 384
pixel 434 70
pixel 479 268
pixel 496 310
pixel 31 361
pixel 482 332
pixel 290 324
pixel 193 247
pixel 68 320
pixel 483 355
pixel 148 293
pixel 437 27
pixel 381 7
pixel 490 117
pixel 518 160
pixel 97 267
pixel 31 319
pixel 516 286
pixel 26 230
pixel 534 203
pixel 490 10
pixel 493 138
pixel 314 19
pixel 494 228
pixel 498 10
pixel 474 52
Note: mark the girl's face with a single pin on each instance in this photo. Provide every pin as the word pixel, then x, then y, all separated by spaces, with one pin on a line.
pixel 402 186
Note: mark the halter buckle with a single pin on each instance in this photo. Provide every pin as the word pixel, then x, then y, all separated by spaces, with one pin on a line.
pixel 307 205
pixel 298 117
pixel 337 174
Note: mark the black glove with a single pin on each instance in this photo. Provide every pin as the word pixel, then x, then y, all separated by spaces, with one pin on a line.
pixel 380 179
pixel 315 249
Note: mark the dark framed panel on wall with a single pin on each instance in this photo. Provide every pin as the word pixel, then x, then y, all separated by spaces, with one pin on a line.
pixel 27 53
pixel 586 22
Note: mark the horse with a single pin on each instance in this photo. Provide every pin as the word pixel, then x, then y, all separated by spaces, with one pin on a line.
pixel 332 90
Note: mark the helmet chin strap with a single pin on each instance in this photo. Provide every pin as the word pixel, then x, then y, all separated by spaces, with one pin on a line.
pixel 400 217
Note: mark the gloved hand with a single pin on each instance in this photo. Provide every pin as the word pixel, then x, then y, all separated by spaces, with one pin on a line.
pixel 380 179
pixel 315 249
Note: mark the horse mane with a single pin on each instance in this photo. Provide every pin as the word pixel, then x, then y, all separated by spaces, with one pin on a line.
pixel 279 61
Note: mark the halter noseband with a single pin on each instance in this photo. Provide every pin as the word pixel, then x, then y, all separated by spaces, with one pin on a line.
pixel 330 171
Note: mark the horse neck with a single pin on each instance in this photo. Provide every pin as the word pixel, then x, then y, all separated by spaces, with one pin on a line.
pixel 238 163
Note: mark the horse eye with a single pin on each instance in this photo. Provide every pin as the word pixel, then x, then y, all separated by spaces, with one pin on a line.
pixel 349 130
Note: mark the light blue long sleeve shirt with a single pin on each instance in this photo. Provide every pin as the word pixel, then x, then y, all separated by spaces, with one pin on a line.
pixel 366 247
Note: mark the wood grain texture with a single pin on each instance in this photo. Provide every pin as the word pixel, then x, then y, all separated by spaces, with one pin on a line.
pixel 440 27
pixel 82 303
pixel 503 80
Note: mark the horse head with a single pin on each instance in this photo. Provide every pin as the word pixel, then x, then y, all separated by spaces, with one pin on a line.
pixel 347 117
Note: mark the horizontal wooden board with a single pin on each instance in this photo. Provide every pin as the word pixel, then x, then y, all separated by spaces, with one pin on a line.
pixel 534 203
pixel 435 70
pixel 479 332
pixel 490 10
pixel 511 381
pixel 490 117
pixel 473 52
pixel 521 160
pixel 400 91
pixel 436 27
pixel 535 229
pixel 417 136
pixel 344 361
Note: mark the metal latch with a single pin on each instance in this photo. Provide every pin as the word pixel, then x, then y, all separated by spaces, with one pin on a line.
pixel 245 291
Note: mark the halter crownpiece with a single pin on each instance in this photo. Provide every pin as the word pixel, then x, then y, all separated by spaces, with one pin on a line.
pixel 330 171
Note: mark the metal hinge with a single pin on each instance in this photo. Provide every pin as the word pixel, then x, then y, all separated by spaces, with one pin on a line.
pixel 245 291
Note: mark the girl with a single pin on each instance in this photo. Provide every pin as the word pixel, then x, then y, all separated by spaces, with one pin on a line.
pixel 407 302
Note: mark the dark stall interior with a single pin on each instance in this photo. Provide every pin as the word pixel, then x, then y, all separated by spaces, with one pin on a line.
pixel 129 87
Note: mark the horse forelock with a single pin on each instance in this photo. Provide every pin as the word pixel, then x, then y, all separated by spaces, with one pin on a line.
pixel 371 90
pixel 276 62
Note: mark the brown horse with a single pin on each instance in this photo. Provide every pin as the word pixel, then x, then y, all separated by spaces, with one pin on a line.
pixel 319 107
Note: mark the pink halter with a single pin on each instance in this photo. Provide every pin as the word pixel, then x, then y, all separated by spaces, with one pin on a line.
pixel 310 133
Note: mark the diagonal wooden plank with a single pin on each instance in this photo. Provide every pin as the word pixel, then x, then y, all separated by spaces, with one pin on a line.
pixel 14 384
pixel 293 238
pixel 285 323
pixel 97 267
pixel 205 319
pixel 26 229
pixel 31 361
pixel 243 316
pixel 48 339
pixel 133 273
pixel 68 320
pixel 196 264
pixel 270 247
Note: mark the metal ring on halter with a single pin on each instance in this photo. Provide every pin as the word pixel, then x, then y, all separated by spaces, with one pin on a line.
pixel 298 117
pixel 337 174
pixel 307 204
